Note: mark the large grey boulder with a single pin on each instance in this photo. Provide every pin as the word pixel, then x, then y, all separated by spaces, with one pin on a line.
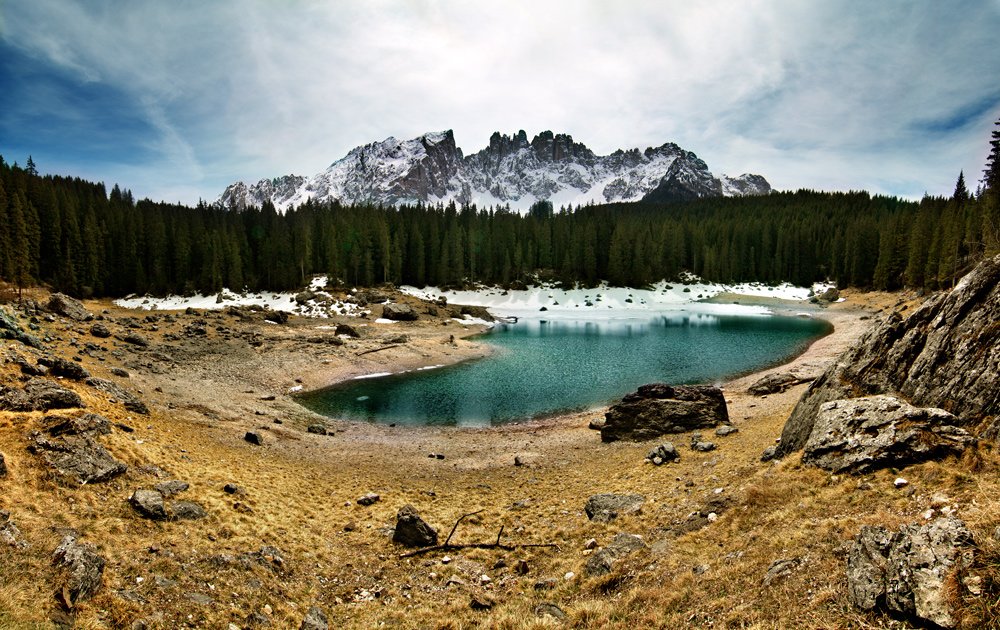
pixel 188 511
pixel 100 330
pixel 657 409
pixel 45 394
pixel 149 504
pixel 908 571
pixel 82 571
pixel 478 312
pixel 862 434
pixel 131 402
pixel 400 312
pixel 79 457
pixel 946 354
pixel 413 531
pixel 67 307
pixel 604 508
pixel 171 487
pixel 622 546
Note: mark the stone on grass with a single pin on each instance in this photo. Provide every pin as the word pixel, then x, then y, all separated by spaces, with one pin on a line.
pixel 601 562
pixel 315 619
pixel 67 307
pixel 908 572
pixel 318 429
pixel 859 435
pixel 254 437
pixel 77 456
pixel 149 504
pixel 81 571
pixel 131 402
pixel 188 511
pixel 603 508
pixel 413 531
pixel 46 394
pixel 658 409
pixel 780 569
pixel 369 499
pixel 172 487
pixel 726 430
pixel 100 330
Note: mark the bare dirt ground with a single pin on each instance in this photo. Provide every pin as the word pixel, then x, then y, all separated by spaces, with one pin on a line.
pixel 211 377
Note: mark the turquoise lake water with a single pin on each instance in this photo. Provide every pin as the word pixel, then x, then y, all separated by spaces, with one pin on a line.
pixel 541 368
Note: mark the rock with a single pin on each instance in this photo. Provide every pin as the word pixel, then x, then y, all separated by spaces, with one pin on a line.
pixel 400 312
pixel 657 409
pixel 257 620
pixel 596 424
pixel 199 598
pixel 15 399
pixel 772 384
pixel 67 307
pixel 548 609
pixel 946 354
pixel 278 317
pixel 117 371
pixel 10 535
pixel 305 296
pixel 3 466
pixel 908 571
pixel 518 461
pixel 780 569
pixel 149 504
pixel 315 619
pixel 665 452
pixel 188 511
pixel 623 545
pixel 254 437
pixel 769 453
pixel 900 482
pixel 100 330
pixel 369 499
pixel 268 557
pixel 481 601
pixel 81 569
pixel 232 488
pixel 90 424
pixel 604 508
pixel 68 369
pixel 347 329
pixel 726 430
pixel 45 394
pixel 136 339
pixel 546 584
pixel 131 402
pixel 703 447
pixel 77 456
pixel 318 429
pixel 830 295
pixel 411 530
pixel 863 434
pixel 477 312
pixel 11 329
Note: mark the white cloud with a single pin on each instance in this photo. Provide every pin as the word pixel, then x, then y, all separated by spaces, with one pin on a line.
pixel 832 95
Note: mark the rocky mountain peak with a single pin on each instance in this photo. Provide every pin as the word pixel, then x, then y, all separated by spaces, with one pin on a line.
pixel 510 171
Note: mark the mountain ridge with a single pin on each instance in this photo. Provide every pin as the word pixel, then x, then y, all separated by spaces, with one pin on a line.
pixel 509 171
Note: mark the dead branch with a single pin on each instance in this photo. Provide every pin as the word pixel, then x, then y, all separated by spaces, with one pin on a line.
pixel 395 345
pixel 493 545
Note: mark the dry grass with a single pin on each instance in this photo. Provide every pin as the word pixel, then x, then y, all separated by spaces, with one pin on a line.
pixel 302 491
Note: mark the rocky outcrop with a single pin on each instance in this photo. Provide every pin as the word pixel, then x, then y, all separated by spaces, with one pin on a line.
pixel 315 619
pixel 67 307
pixel 149 504
pixel 45 394
pixel 476 312
pixel 622 546
pixel 657 409
pixel 945 355
pixel 131 402
pixel 863 434
pixel 82 570
pixel 68 369
pixel 603 508
pixel 69 446
pixel 11 329
pixel 400 312
pixel 413 531
pixel 908 571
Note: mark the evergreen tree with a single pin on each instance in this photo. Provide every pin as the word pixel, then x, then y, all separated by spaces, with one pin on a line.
pixel 991 175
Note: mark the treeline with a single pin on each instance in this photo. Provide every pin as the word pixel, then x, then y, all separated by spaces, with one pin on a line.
pixel 76 237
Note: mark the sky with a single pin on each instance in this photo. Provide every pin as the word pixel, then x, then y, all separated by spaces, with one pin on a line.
pixel 176 100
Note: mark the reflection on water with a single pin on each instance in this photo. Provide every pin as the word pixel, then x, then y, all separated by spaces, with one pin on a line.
pixel 547 366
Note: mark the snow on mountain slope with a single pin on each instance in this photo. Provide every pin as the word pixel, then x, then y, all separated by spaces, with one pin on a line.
pixel 511 170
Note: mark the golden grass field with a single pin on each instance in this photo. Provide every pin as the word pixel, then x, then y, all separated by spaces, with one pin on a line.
pixel 301 491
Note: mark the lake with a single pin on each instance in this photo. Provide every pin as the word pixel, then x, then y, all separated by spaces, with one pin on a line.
pixel 541 368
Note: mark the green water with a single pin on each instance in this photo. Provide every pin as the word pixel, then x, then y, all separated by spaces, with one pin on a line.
pixel 544 368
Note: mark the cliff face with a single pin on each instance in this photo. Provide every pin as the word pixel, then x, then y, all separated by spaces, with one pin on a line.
pixel 946 354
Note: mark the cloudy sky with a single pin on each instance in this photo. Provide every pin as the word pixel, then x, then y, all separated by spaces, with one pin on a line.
pixel 175 100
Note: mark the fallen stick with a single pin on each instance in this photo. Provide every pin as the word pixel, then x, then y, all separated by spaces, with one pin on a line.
pixel 395 345
pixel 493 545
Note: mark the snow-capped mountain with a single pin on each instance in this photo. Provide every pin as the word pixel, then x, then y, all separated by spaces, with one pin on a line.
pixel 511 170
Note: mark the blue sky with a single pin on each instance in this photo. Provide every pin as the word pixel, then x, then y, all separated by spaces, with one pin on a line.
pixel 176 100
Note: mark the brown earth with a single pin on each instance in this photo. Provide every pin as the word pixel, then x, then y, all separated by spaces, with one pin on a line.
pixel 301 496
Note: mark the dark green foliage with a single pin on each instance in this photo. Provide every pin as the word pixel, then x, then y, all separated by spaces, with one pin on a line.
pixel 77 238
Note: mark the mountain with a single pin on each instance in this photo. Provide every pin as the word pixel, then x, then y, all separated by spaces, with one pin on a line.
pixel 511 170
